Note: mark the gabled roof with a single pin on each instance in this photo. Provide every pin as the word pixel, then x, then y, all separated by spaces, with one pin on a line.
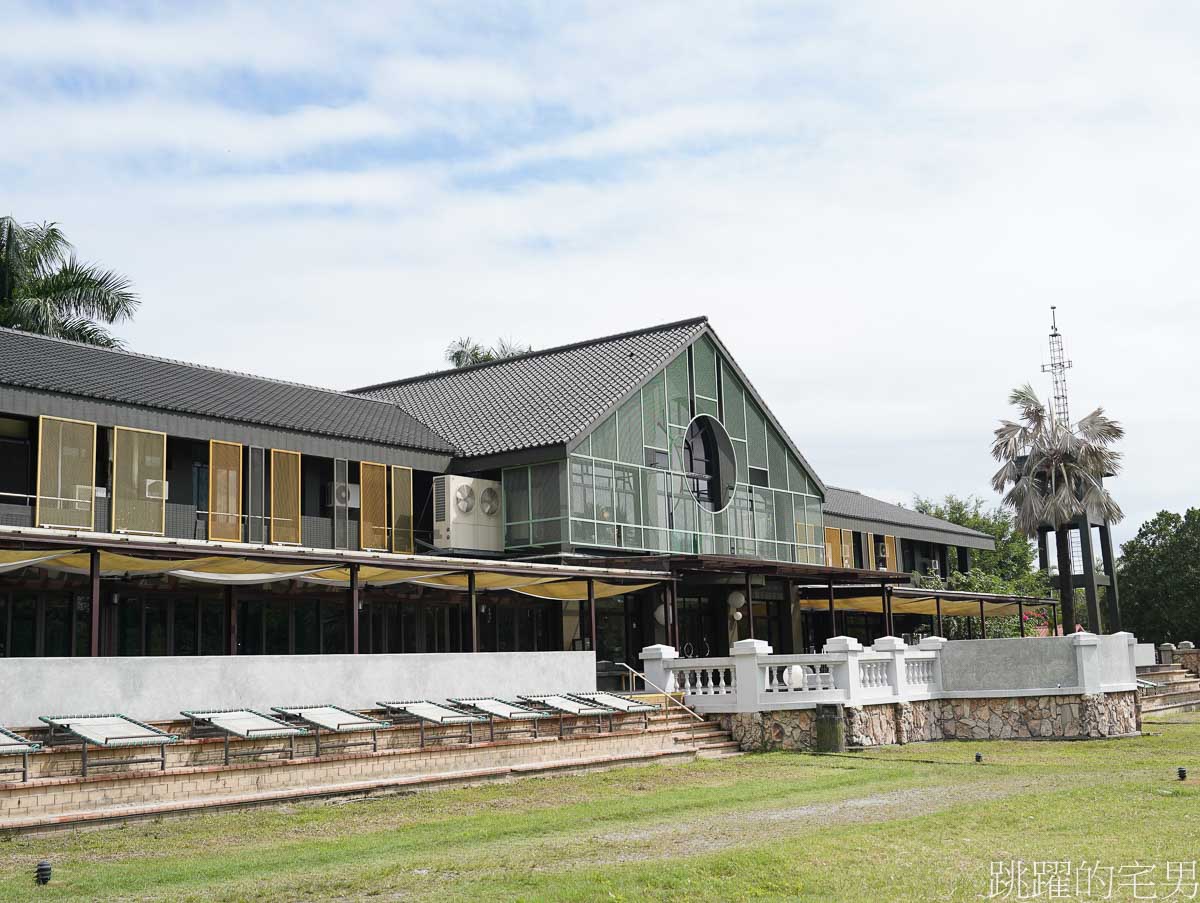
pixel 70 368
pixel 846 505
pixel 540 398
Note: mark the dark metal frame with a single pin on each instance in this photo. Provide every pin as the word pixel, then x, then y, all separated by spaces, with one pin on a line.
pixel 637 706
pixel 398 707
pixel 532 716
pixel 295 716
pixel 58 734
pixel 601 710
pixel 30 746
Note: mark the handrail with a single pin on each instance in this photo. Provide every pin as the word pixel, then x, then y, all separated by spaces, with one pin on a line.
pixel 670 697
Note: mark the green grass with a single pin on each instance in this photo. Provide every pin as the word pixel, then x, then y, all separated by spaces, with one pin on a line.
pixel 920 822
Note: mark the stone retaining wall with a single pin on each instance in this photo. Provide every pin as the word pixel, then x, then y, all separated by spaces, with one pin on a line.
pixel 1069 717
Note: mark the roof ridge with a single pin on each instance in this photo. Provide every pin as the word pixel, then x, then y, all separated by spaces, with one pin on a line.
pixel 907 510
pixel 23 334
pixel 570 346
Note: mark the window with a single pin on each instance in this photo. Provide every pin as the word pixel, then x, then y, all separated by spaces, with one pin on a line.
pixel 709 462
pixel 535 506
pixel 224 491
pixel 66 473
pixel 139 481
pixel 372 512
pixel 402 503
pixel 285 497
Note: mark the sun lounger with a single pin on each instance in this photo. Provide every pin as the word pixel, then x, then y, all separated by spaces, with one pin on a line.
pixel 426 712
pixel 108 732
pixel 335 720
pixel 245 724
pixel 13 745
pixel 565 705
pixel 495 708
pixel 621 703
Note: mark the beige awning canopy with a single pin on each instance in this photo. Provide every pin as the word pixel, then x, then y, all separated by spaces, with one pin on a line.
pixel 952 606
pixel 239 571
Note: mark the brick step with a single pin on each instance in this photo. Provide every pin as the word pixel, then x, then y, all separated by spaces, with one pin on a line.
pixel 1161 701
pixel 1171 709
pixel 1162 672
pixel 701 736
pixel 1174 686
pixel 719 750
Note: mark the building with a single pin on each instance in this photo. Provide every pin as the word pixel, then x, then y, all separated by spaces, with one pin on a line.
pixel 603 495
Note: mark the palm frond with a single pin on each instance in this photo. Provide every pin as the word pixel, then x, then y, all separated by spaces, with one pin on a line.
pixel 81 329
pixel 84 290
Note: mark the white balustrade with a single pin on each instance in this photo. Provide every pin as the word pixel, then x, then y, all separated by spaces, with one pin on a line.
pixel 703 677
pixel 873 675
pixel 919 672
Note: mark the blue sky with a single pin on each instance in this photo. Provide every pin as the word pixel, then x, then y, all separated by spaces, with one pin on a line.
pixel 874 203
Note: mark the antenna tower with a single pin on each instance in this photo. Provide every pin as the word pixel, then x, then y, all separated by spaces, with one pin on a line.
pixel 1057 368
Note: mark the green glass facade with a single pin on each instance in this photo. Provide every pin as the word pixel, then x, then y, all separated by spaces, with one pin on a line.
pixel 625 486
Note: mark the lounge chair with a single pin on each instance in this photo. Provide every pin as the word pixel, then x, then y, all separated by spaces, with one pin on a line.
pixel 245 724
pixel 565 705
pixel 13 745
pixel 426 712
pixel 621 703
pixel 335 720
pixel 108 732
pixel 495 708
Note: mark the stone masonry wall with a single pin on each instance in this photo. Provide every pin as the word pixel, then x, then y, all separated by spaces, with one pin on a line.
pixel 1071 717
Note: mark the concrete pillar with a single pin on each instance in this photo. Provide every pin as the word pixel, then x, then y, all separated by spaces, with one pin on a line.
pixel 897 673
pixel 748 681
pixel 935 644
pixel 845 673
pixel 1087 661
pixel 653 666
pixel 1166 654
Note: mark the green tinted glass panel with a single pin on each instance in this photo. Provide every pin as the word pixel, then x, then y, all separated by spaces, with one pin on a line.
pixel 585 447
pixel 756 435
pixel 785 525
pixel 583 533
pixel 629 431
pixel 605 510
pixel 776 460
pixel 516 494
pixel 816 520
pixel 626 495
pixel 654 412
pixel 803 534
pixel 654 498
pixel 604 438
pixel 677 434
pixel 764 514
pixel 743 471
pixel 606 535
pixel 583 499
pixel 735 405
pixel 797 479
pixel 679 404
pixel 706 406
pixel 704 360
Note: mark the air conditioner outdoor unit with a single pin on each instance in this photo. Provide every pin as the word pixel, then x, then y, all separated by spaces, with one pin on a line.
pixel 343 495
pixel 466 514
pixel 156 489
pixel 83 497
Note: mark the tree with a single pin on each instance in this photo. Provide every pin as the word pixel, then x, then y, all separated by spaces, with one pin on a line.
pixel 1052 473
pixel 45 289
pixel 465 351
pixel 1159 570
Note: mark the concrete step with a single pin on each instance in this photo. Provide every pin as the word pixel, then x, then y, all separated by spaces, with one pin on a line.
pixel 1170 709
pixel 1163 672
pixel 1174 686
pixel 702 736
pixel 1161 701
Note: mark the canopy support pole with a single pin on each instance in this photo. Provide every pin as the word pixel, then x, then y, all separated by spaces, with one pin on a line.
pixel 1021 616
pixel 1053 621
pixel 887 608
pixel 675 612
pixel 473 598
pixel 94 563
pixel 354 618
pixel 591 585
pixel 937 600
pixel 750 603
pixel 231 624
pixel 982 622
pixel 832 612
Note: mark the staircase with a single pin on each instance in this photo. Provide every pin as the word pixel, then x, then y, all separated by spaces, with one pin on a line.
pixel 1176 689
pixel 708 737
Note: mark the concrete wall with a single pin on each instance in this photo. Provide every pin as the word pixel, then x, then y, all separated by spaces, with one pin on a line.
pixel 1037 663
pixel 157 688
pixel 1117 665
pixel 1144 654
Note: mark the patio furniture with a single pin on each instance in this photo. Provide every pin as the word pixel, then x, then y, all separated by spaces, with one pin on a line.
pixel 620 703
pixel 425 712
pixel 14 745
pixel 245 724
pixel 564 705
pixel 113 731
pixel 335 720
pixel 495 708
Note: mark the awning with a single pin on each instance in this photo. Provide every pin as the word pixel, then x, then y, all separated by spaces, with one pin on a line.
pixel 484 580
pixel 114 564
pixel 927 605
pixel 368 576
pixel 15 559
pixel 577 590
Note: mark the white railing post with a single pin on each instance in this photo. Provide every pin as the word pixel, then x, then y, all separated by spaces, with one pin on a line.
pixel 1087 662
pixel 845 672
pixel 934 644
pixel 749 680
pixel 654 659
pixel 897 676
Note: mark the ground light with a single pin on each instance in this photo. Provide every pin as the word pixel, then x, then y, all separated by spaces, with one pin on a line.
pixel 978 757
pixel 42 876
pixel 1182 772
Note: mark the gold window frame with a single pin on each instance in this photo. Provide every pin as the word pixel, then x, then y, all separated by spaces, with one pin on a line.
pixel 42 419
pixel 116 470
pixel 377 526
pixel 833 547
pixel 402 541
pixel 212 484
pixel 847 548
pixel 278 457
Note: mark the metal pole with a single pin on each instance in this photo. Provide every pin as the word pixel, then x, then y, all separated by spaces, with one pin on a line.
pixel 473 597
pixel 354 619
pixel 231 624
pixel 750 603
pixel 1053 621
pixel 832 612
pixel 95 588
pixel 937 600
pixel 982 623
pixel 1021 616
pixel 885 608
pixel 591 588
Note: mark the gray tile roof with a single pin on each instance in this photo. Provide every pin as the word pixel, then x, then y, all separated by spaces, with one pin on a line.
pixel 540 398
pixel 54 365
pixel 849 505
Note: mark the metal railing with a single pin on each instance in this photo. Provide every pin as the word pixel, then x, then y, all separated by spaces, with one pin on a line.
pixel 670 698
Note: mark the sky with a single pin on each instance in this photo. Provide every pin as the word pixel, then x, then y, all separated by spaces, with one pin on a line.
pixel 875 204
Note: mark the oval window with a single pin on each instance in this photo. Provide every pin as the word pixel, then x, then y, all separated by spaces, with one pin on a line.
pixel 709 463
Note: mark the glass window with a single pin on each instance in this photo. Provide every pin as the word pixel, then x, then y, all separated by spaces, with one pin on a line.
pixel 212 627
pixel 654 412
pixel 679 394
pixel 83 624
pixel 546 495
pixel 156 612
pixel 785 523
pixel 186 641
pixel 626 494
pixel 307 616
pixel 742 455
pixel 333 626
pixel 129 626
pixel 583 496
pixel 629 431
pixel 604 439
pixel 605 511
pixel 776 460
pixel 704 361
pixel 735 404
pixel 709 463
pixel 583 532
pixel 756 436
pixel 516 494
pixel 547 532
pixel 797 479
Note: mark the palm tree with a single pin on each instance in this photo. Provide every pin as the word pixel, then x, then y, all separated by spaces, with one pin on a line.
pixel 465 351
pixel 45 289
pixel 1053 476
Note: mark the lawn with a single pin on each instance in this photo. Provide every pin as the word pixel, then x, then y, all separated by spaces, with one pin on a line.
pixel 920 822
